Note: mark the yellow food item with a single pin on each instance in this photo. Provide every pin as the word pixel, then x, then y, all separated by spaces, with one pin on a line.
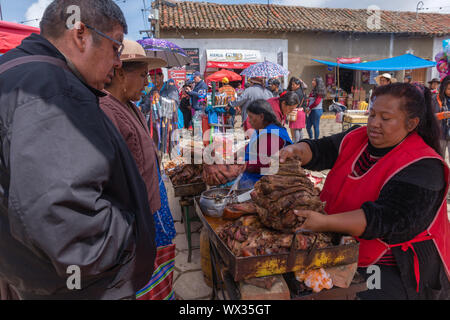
pixel 363 105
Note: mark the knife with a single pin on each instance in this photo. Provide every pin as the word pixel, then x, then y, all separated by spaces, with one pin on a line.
pixel 245 196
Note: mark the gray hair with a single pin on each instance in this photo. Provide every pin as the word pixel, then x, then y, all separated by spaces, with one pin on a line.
pixel 102 15
pixel 319 89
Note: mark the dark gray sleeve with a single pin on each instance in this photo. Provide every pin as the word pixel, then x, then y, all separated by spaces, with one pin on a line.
pixel 57 206
pixel 240 100
pixel 325 150
pixel 407 204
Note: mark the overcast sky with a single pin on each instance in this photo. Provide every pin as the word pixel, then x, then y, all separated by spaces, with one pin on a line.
pixel 22 10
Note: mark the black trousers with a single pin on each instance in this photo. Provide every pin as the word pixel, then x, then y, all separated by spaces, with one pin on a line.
pixel 391 285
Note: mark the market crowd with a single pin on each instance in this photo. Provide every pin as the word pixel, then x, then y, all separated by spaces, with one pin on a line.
pixel 81 181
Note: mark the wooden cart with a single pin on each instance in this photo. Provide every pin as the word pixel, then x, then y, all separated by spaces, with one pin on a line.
pixel 232 269
pixel 354 117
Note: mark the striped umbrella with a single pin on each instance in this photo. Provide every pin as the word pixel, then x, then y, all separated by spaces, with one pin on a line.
pixel 166 50
pixel 265 69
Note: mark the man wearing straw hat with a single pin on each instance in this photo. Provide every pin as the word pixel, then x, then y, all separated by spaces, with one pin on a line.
pixel 385 79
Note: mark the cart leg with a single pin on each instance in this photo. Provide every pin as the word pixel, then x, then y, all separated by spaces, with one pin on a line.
pixel 182 214
pixel 187 226
pixel 213 273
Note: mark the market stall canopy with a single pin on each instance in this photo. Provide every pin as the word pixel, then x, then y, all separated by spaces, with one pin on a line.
pixel 403 62
pixel 219 75
pixel 12 34
pixel 232 59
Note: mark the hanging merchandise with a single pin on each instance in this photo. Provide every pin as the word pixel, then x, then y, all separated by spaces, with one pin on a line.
pixel 168 108
pixel 443 59
pixel 163 118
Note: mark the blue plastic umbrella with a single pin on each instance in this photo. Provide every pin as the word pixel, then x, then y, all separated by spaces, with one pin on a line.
pixel 265 69
pixel 166 50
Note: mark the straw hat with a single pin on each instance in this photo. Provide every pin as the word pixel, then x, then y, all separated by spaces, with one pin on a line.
pixel 256 80
pixel 134 52
pixel 385 75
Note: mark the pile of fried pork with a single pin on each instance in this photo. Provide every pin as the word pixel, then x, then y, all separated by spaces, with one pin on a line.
pixel 266 225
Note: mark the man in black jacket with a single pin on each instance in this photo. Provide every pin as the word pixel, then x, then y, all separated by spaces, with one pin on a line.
pixel 74 215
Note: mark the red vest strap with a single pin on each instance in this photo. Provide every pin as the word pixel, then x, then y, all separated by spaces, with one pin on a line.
pixel 343 192
pixel 408 245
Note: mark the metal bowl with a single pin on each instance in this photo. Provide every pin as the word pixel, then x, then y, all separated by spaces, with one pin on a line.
pixel 213 201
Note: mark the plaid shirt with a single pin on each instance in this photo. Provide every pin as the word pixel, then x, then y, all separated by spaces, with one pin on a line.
pixel 229 90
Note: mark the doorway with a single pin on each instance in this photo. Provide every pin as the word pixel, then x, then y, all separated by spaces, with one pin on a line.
pixel 346 77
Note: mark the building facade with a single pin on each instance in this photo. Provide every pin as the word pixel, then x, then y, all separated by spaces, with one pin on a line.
pixel 295 35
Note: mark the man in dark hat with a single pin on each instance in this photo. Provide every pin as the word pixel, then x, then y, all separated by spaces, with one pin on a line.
pixel 434 85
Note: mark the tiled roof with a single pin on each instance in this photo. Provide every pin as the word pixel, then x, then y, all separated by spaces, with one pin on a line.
pixel 187 15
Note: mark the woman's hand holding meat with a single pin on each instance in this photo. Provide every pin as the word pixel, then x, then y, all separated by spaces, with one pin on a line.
pixel 300 151
pixel 315 221
pixel 352 222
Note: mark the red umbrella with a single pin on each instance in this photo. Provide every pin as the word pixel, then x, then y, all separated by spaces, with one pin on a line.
pixel 12 34
pixel 219 75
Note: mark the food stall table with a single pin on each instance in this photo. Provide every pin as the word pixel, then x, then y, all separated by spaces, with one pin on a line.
pixel 354 117
pixel 187 192
pixel 228 271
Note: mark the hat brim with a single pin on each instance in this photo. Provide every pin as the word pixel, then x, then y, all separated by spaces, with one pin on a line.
pixel 377 79
pixel 256 80
pixel 153 63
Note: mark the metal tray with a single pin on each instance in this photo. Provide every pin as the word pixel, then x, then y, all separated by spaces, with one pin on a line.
pixel 260 266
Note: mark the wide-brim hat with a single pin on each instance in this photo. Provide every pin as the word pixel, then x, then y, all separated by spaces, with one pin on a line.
pixel 134 52
pixel 434 80
pixel 256 80
pixel 385 75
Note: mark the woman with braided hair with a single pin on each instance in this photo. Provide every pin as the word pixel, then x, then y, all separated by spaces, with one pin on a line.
pixel 268 138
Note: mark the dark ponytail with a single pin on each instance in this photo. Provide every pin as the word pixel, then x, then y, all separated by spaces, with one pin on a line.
pixel 261 106
pixel 290 97
pixel 417 103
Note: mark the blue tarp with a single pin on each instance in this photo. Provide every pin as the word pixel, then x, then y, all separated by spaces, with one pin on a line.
pixel 404 62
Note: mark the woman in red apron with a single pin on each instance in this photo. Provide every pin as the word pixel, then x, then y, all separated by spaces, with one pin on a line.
pixel 387 187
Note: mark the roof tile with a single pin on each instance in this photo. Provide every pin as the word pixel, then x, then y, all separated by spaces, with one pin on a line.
pixel 187 15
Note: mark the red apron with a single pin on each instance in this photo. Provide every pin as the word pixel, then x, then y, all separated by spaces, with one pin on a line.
pixel 343 193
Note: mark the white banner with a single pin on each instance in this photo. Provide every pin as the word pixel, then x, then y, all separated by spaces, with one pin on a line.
pixel 230 55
